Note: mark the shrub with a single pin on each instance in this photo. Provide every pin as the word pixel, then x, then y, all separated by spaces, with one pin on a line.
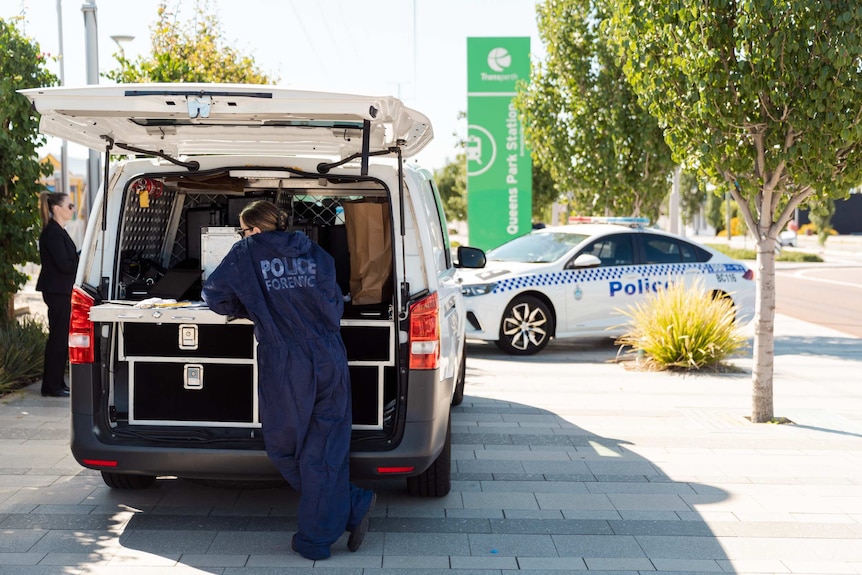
pixel 735 253
pixel 22 349
pixel 738 227
pixel 684 327
pixel 750 254
pixel 788 256
pixel 810 229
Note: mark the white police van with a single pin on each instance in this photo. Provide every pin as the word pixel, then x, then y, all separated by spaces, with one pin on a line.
pixel 161 385
pixel 571 281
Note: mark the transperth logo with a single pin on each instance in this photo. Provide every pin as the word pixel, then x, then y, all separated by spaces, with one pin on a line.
pixel 499 59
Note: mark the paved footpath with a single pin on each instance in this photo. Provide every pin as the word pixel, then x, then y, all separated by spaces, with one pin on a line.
pixel 564 462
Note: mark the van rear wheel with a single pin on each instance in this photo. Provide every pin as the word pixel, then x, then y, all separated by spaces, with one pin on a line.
pixel 127 480
pixel 436 481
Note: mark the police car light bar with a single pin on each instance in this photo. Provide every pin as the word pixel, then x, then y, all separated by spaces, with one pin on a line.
pixel 626 221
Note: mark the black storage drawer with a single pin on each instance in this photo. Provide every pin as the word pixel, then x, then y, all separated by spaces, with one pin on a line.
pixel 223 393
pixel 163 340
pixel 367 343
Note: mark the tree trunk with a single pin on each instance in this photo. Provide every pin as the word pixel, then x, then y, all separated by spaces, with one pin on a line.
pixel 764 333
pixel 7 309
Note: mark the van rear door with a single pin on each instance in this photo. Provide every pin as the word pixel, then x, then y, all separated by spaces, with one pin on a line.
pixel 189 119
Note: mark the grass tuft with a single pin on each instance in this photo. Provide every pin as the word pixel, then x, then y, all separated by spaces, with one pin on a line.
pixel 682 327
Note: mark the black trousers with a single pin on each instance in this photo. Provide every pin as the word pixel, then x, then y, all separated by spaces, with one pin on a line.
pixel 57 348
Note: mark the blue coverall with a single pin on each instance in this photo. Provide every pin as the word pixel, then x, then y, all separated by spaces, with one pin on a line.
pixel 285 284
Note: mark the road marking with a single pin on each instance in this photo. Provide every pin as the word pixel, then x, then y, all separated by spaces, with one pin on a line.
pixel 801 274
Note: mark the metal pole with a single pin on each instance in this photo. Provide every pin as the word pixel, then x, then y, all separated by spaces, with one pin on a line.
pixel 92 47
pixel 64 152
pixel 415 67
pixel 673 216
pixel 727 215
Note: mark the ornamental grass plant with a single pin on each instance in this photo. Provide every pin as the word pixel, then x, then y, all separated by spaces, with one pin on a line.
pixel 22 350
pixel 682 327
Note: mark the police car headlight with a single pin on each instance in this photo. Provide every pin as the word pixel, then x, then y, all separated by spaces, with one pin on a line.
pixel 477 289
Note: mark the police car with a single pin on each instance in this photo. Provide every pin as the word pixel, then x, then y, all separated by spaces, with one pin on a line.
pixel 572 280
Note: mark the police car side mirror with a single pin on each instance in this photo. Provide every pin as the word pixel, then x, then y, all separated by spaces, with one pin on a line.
pixel 587 261
pixel 471 258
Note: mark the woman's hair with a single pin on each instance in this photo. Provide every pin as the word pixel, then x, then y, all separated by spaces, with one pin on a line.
pixel 264 215
pixel 47 201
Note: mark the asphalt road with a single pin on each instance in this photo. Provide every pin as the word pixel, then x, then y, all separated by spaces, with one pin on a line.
pixel 827 296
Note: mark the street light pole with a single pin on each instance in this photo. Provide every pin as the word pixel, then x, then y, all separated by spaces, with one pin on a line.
pixel 92 48
pixel 64 152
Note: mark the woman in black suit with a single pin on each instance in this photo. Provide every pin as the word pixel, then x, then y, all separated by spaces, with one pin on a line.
pixel 59 263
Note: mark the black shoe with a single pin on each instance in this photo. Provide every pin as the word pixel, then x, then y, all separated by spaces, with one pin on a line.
pixel 65 387
pixel 357 534
pixel 58 393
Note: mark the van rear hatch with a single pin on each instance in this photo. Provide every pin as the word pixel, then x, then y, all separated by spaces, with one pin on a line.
pixel 189 119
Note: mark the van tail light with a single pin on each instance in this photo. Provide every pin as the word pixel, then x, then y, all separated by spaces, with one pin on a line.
pixel 425 333
pixel 748 275
pixel 396 470
pixel 99 462
pixel 81 341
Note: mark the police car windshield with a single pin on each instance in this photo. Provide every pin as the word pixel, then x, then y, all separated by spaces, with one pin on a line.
pixel 537 247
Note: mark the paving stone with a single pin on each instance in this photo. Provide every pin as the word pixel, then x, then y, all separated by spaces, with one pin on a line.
pixel 669 528
pixel 16 558
pixel 21 540
pixel 520 545
pixel 417 525
pixel 498 500
pixel 169 541
pixel 415 562
pixel 532 486
pixel 550 526
pixel 426 544
pixel 618 546
pixel 154 522
pixel 477 562
pixel 78 522
pixel 204 560
pixel 552 565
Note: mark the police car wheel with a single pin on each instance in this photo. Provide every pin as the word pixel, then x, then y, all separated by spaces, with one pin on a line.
pixel 527 326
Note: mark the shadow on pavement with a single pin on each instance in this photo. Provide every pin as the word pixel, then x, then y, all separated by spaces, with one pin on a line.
pixel 835 347
pixel 534 489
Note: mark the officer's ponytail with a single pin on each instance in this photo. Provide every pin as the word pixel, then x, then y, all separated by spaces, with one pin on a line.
pixel 47 202
pixel 264 215
pixel 281 225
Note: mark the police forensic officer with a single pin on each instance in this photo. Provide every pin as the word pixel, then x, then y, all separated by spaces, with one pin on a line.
pixel 286 285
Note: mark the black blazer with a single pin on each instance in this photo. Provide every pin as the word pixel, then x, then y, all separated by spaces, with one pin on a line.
pixel 59 260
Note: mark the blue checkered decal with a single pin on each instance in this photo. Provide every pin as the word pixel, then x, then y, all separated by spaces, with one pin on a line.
pixel 612 273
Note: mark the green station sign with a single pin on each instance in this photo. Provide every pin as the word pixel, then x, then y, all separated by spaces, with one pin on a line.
pixel 499 168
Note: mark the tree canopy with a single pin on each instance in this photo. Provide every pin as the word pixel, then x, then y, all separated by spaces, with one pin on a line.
pixel 584 123
pixel 451 182
pixel 22 65
pixel 765 98
pixel 191 51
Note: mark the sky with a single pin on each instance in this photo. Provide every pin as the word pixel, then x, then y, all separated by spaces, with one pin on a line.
pixel 412 49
